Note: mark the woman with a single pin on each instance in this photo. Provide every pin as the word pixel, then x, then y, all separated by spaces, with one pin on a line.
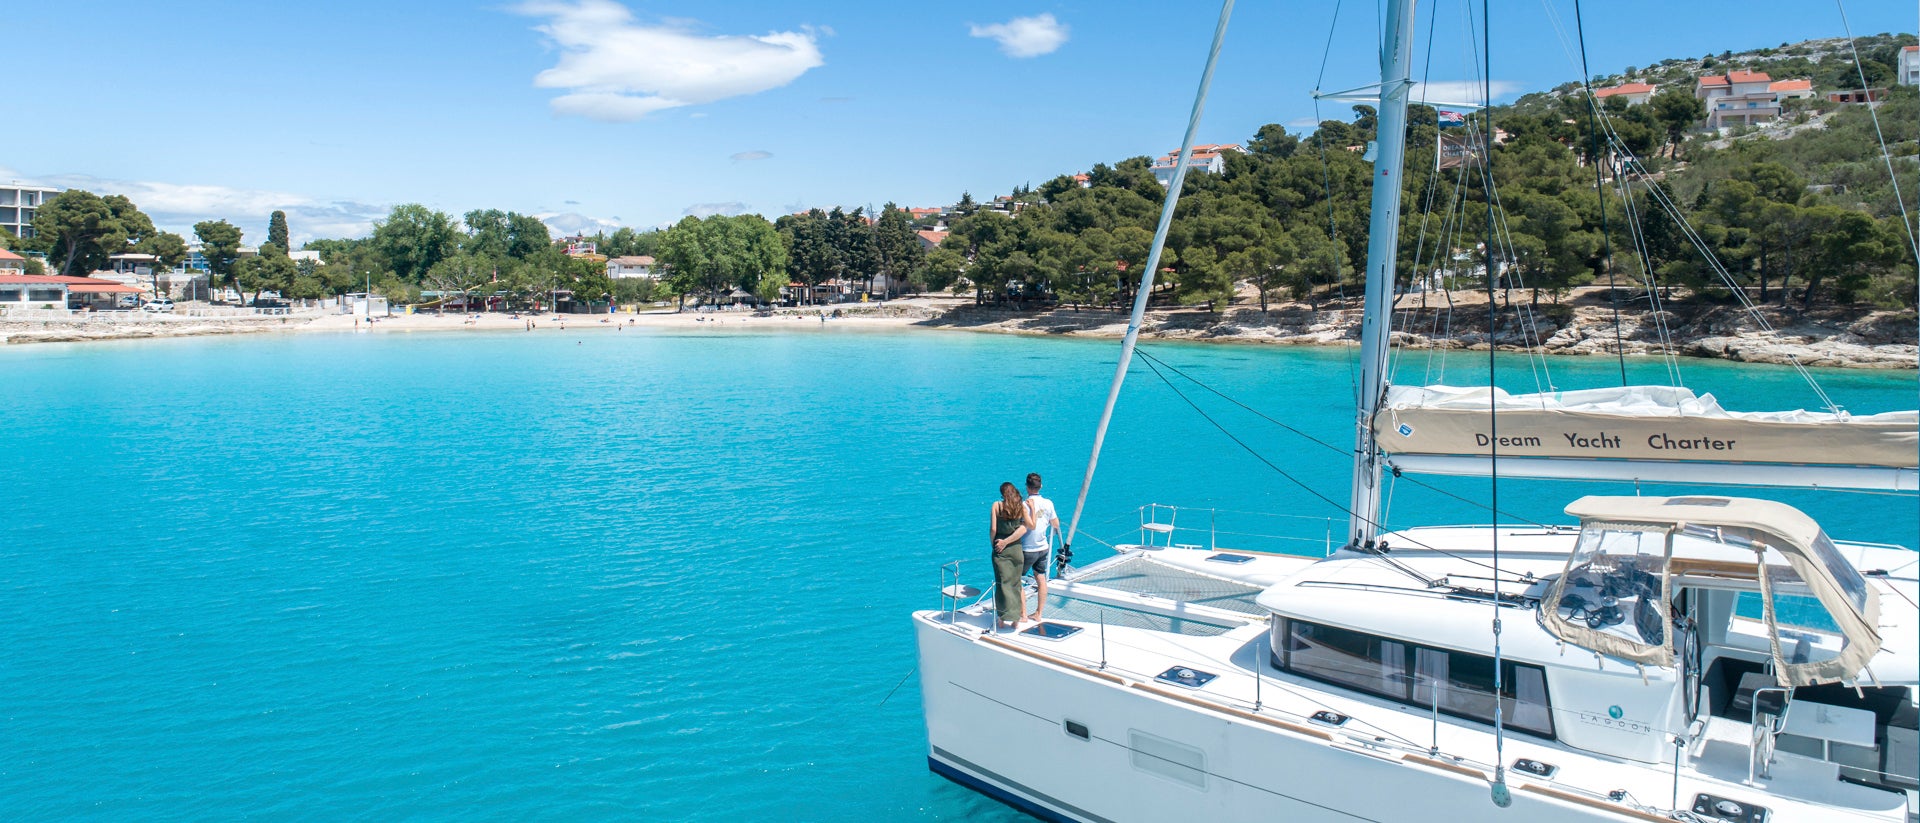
pixel 1010 520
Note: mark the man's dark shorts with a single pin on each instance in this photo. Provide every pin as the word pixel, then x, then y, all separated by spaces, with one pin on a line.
pixel 1034 563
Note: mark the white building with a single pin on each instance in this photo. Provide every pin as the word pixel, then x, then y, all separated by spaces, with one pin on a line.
pixel 1909 69
pixel 18 202
pixel 621 268
pixel 304 254
pixel 1634 93
pixel 1210 158
pixel 1742 97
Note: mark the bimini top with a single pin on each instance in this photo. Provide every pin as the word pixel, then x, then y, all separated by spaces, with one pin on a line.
pixel 1617 593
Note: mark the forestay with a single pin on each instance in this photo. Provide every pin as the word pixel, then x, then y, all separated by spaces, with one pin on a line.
pixel 1432 428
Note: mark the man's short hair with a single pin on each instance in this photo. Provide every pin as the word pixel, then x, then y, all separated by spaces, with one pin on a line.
pixel 1033 481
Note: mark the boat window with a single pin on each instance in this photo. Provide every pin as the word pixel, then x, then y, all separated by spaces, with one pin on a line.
pixel 1807 631
pixel 1613 585
pixel 1460 683
pixel 1844 574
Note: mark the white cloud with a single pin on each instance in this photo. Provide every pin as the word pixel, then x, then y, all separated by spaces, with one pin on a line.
pixel 565 223
pixel 750 156
pixel 615 69
pixel 711 209
pixel 1024 36
pixel 1461 91
pixel 175 207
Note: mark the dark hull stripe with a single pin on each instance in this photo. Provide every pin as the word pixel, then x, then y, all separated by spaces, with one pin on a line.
pixel 991 784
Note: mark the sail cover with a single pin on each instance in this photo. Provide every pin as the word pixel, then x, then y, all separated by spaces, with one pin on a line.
pixel 1636 423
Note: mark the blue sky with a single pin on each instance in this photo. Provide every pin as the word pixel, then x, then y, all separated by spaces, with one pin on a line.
pixel 602 112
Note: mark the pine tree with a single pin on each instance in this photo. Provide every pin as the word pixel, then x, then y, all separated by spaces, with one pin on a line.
pixel 277 230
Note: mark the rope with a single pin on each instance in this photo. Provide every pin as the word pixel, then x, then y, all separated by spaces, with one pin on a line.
pixel 1153 264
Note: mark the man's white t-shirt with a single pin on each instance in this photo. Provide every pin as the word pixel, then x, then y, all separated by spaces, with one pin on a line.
pixel 1036 538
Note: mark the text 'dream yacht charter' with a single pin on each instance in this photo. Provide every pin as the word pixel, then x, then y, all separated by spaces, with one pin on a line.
pixel 1700 657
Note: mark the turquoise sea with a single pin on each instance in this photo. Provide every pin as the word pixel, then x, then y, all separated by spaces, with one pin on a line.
pixel 633 575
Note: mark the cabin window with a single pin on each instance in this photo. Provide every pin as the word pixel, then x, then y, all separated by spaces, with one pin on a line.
pixel 1459 682
pixel 10 295
pixel 37 295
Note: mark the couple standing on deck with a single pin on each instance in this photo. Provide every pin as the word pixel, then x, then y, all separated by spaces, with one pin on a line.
pixel 1022 533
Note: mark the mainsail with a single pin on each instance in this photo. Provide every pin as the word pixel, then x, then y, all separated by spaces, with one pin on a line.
pixel 1651 433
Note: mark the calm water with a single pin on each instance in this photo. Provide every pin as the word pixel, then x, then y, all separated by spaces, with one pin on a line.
pixel 602 576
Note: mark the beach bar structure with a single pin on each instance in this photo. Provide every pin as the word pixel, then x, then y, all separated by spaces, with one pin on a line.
pixel 38 291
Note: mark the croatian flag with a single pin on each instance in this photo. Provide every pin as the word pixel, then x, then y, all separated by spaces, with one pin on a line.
pixel 1452 118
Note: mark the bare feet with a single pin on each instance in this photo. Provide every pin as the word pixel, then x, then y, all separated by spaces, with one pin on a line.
pixel 1035 617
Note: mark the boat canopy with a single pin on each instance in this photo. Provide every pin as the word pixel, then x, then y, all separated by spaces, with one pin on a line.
pixel 1643 432
pixel 1816 611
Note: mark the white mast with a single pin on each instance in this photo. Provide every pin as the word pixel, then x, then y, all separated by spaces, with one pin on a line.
pixel 1383 240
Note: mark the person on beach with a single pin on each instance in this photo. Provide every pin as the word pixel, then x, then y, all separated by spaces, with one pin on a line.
pixel 1009 520
pixel 1043 524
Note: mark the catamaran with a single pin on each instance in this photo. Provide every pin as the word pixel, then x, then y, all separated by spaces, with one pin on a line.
pixel 1697 657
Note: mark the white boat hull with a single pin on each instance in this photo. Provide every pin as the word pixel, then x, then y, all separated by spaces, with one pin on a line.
pixel 996 723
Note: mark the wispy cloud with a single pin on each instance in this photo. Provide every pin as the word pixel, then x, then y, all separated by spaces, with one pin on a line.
pixel 175 207
pixel 565 223
pixel 750 156
pixel 616 69
pixel 1461 91
pixel 711 209
pixel 1024 36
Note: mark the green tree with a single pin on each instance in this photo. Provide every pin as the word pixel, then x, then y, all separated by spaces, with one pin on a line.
pixel 260 272
pixel 79 229
pixel 277 231
pixel 169 249
pixel 1678 112
pixel 896 245
pixel 413 238
pixel 220 245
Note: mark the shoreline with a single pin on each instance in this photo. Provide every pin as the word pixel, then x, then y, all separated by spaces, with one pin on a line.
pixel 1875 340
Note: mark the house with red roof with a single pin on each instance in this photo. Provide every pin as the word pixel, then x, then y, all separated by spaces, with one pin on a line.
pixel 11 263
pixel 1210 158
pixel 45 291
pixel 1792 89
pixel 930 239
pixel 1634 93
pixel 1745 98
pixel 1907 73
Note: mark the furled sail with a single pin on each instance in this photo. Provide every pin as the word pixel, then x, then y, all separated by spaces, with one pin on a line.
pixel 1654 433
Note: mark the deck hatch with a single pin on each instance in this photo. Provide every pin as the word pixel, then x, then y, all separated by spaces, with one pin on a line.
pixel 1329 718
pixel 1051 631
pixel 1186 676
pixel 1714 807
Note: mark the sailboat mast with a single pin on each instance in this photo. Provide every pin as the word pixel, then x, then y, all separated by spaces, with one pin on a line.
pixel 1383 240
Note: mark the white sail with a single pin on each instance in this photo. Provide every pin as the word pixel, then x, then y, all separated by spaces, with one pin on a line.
pixel 1619 432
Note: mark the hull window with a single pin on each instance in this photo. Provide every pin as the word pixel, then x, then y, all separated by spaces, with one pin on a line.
pixel 1459 683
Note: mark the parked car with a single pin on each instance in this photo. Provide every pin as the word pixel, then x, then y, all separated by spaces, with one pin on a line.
pixel 160 306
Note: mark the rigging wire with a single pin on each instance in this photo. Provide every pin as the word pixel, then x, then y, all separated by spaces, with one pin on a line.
pixel 1501 795
pixel 1153 263
pixel 1906 221
pixel 1145 355
pixel 1593 156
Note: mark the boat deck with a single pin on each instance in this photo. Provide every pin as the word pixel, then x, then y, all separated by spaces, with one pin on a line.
pixel 1149 613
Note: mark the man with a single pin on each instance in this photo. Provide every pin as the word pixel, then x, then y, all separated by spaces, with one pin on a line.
pixel 1038 540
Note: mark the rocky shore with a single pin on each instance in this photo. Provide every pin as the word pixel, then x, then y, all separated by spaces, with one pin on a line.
pixel 1834 338
pixel 82 330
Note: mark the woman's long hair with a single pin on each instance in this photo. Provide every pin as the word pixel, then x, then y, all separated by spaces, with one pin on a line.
pixel 1011 506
